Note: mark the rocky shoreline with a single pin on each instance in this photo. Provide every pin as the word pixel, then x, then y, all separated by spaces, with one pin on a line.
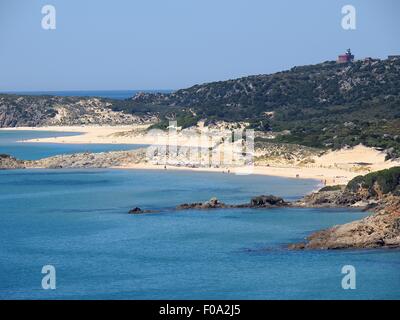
pixel 77 160
pixel 381 229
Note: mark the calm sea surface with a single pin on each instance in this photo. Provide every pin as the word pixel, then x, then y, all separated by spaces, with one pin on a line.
pixel 77 221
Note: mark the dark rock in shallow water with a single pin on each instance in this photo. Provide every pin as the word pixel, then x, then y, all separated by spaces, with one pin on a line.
pixel 256 202
pixel 213 203
pixel 267 201
pixel 137 210
pixel 55 167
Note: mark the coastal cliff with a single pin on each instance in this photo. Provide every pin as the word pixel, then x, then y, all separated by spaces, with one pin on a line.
pixel 382 229
pixel 377 191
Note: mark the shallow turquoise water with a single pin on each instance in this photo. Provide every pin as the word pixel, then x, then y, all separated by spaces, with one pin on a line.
pixel 78 222
pixel 32 151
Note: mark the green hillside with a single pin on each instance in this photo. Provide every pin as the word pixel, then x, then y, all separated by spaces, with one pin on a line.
pixel 324 105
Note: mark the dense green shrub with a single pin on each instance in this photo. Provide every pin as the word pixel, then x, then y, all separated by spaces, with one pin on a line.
pixel 387 180
pixel 331 188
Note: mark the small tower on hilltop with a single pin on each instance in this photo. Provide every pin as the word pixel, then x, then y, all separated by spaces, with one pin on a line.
pixel 345 58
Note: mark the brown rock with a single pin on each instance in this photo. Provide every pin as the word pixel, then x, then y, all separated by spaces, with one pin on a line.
pixel 378 230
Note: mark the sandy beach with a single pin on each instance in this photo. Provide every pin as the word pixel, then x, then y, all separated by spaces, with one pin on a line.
pixel 134 134
pixel 93 134
pixel 324 176
pixel 335 167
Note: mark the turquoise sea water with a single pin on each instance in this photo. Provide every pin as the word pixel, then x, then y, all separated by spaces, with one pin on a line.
pixel 77 221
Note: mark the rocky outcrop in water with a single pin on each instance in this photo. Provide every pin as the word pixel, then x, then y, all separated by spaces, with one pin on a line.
pixel 8 162
pixel 138 210
pixel 267 201
pixel 213 203
pixel 256 202
pixel 377 191
pixel 78 160
pixel 92 160
pixel 381 229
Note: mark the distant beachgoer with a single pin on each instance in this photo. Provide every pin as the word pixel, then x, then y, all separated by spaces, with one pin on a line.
pixel 297 176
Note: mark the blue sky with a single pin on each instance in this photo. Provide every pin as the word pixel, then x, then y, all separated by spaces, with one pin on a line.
pixel 171 44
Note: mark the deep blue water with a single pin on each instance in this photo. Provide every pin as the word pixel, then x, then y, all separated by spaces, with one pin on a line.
pixel 32 151
pixel 77 221
pixel 112 94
